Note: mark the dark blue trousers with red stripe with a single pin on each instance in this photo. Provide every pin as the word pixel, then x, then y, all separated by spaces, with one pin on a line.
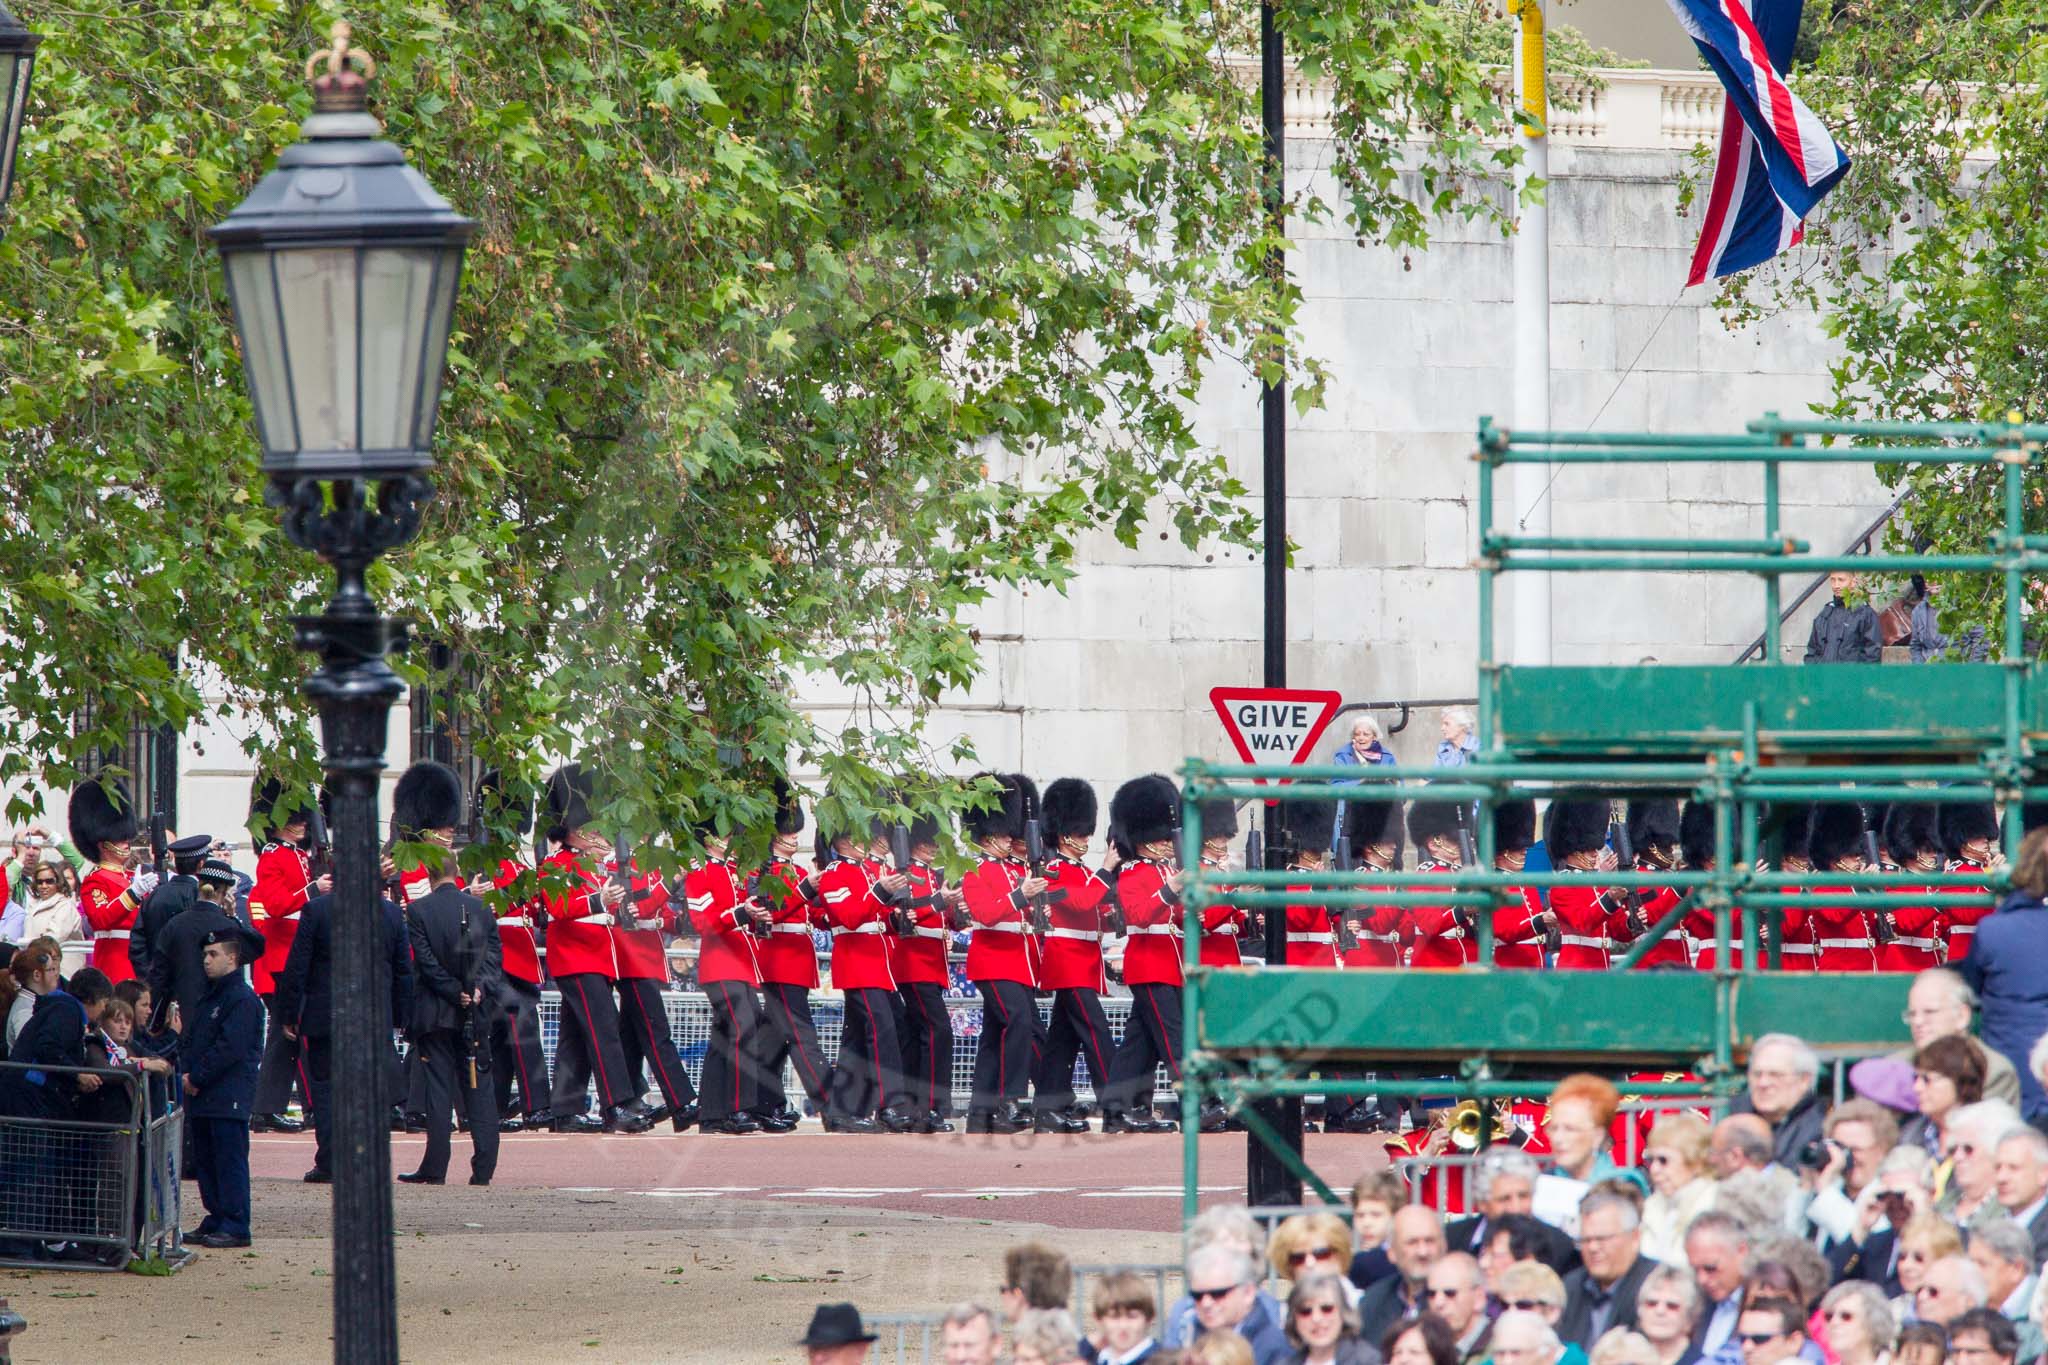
pixel 869 1073
pixel 588 1045
pixel 1079 1029
pixel 516 1056
pixel 732 1081
pixel 1002 1058
pixel 1151 1038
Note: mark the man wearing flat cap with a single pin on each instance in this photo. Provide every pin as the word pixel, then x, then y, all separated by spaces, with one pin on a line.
pixel 837 1336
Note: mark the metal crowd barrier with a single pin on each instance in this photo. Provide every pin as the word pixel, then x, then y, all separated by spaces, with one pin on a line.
pixel 112 1188
pixel 689 1020
pixel 905 1338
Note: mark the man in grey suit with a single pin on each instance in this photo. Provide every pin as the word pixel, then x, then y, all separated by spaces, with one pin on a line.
pixel 2020 1177
pixel 1601 1294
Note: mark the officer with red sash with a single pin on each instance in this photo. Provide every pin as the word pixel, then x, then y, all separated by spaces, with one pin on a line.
pixel 102 819
pixel 284 883
pixel 506 817
pixel 1002 960
pixel 870 1058
pixel 1438 935
pixel 1072 968
pixel 1653 838
pixel 930 912
pixel 1575 834
pixel 1911 937
pixel 1376 830
pixel 583 905
pixel 1223 925
pixel 1969 835
pixel 1146 811
pixel 727 924
pixel 1840 926
pixel 1521 926
pixel 789 968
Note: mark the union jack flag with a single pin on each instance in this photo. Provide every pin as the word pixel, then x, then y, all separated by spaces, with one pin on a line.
pixel 1776 158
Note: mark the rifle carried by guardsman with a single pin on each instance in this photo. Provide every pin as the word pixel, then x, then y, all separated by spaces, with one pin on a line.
pixel 902 915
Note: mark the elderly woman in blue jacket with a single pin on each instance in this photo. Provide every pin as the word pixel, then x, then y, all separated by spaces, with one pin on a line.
pixel 1364 749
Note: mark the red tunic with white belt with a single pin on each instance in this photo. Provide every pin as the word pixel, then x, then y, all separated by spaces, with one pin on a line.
pixel 1223 926
pixel 641 954
pixel 1001 947
pixel 1311 934
pixel 786 956
pixel 1153 918
pixel 283 875
pixel 1919 933
pixel 1963 919
pixel 1670 950
pixel 1517 937
pixel 726 945
pixel 104 900
pixel 1586 927
pixel 1073 945
pixel 919 957
pixel 579 925
pixel 1438 940
pixel 515 927
pixel 1841 930
pixel 1377 930
pixel 859 920
pixel 1698 928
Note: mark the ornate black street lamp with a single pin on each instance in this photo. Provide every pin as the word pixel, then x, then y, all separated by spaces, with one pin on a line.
pixel 342 266
pixel 17 63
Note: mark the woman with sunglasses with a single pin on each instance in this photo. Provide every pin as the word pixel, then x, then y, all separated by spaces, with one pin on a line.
pixel 52 913
pixel 1926 1238
pixel 1309 1244
pixel 1667 1311
pixel 1681 1186
pixel 1857 1325
pixel 1322 1326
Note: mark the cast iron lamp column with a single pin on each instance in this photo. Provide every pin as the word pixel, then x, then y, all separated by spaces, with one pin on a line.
pixel 17 64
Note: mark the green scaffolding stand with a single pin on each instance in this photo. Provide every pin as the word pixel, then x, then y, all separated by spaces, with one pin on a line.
pixel 1736 736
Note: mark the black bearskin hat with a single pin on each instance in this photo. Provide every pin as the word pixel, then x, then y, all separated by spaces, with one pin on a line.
pixel 505 809
pixel 1652 824
pixel 1069 811
pixel 1790 822
pixel 1696 834
pixel 1367 823
pixel 1147 809
pixel 568 800
pixel 1514 826
pixel 924 829
pixel 265 797
pixel 1574 826
pixel 789 811
pixel 428 796
pixel 1910 830
pixel 1004 818
pixel 1835 833
pixel 1311 824
pixel 1430 819
pixel 1967 823
pixel 101 813
pixel 1219 819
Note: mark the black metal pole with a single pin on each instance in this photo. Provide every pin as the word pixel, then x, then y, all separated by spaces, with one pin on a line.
pixel 1267 1181
pixel 354 689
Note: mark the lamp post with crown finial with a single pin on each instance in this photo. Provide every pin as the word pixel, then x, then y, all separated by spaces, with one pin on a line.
pixel 17 63
pixel 342 267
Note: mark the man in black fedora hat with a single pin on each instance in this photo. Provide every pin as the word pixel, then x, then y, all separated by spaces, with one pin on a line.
pixel 837 1336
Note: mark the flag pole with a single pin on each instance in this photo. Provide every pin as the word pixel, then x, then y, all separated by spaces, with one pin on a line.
pixel 1531 482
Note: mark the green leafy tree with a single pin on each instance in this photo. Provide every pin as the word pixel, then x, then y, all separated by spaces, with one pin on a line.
pixel 791 332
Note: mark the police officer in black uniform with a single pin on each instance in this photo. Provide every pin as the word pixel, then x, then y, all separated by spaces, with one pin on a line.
pixel 177 892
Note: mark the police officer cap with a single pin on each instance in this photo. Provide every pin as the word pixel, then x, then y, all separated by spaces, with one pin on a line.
pixel 214 870
pixel 191 846
pixel 231 937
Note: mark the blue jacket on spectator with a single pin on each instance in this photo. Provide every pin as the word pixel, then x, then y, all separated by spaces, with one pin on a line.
pixel 1348 756
pixel 2008 968
pixel 221 1047
pixel 54 1037
pixel 1261 1327
pixel 1449 755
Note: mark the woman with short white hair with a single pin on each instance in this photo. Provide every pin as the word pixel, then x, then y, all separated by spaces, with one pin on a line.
pixel 1460 740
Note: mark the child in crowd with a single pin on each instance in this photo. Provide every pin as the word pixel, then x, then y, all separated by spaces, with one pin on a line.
pixel 1124 1310
pixel 1373 1201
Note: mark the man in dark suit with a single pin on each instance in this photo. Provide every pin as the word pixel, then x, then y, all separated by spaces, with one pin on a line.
pixel 305 1000
pixel 218 1054
pixel 1601 1294
pixel 2020 1176
pixel 173 896
pixel 460 968
pixel 177 961
pixel 1417 1242
pixel 1504 1183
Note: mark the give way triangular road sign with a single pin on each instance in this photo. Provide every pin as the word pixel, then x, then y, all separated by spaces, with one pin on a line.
pixel 1274 724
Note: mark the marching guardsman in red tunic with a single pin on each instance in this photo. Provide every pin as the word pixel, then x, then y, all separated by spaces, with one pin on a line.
pixel 870 1059
pixel 1575 834
pixel 1522 926
pixel 1223 925
pixel 284 883
pixel 1076 897
pixel 583 959
pixel 1911 937
pixel 1438 935
pixel 930 911
pixel 1002 961
pixel 1146 812
pixel 1969 834
pixel 1311 932
pixel 789 969
pixel 102 819
pixel 727 924
pixel 1653 838
pixel 506 817
pixel 1839 924
pixel 1376 830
